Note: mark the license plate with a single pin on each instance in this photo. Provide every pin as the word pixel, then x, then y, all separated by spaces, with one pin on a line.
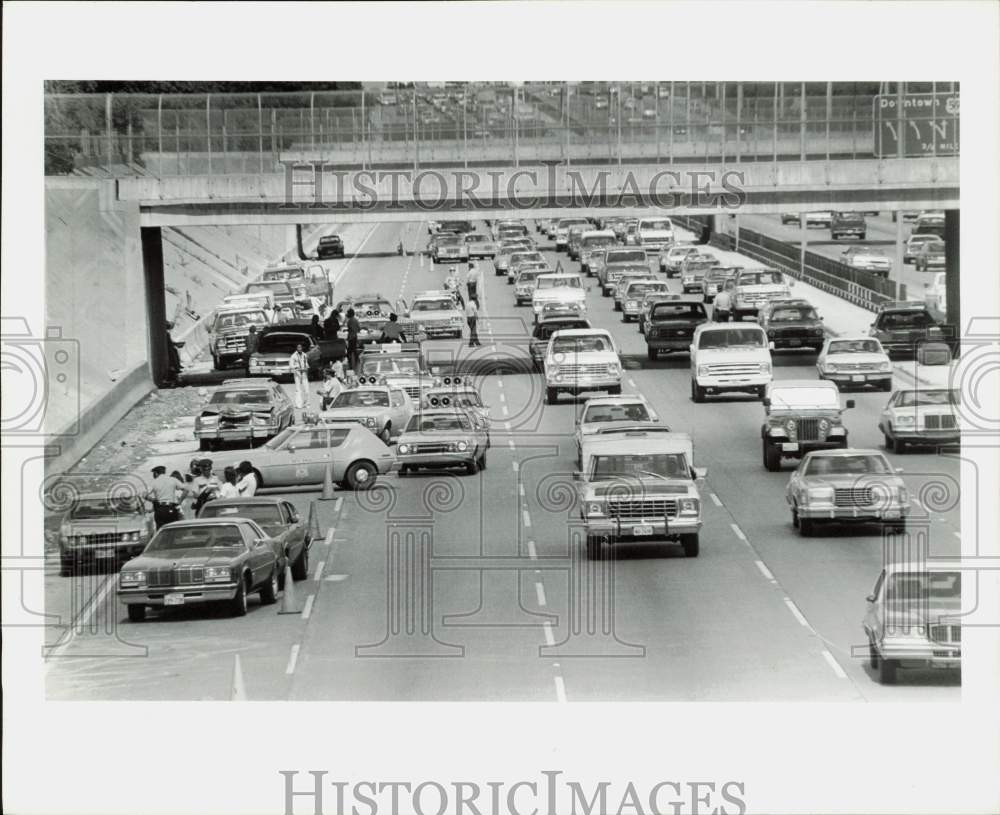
pixel 858 378
pixel 175 599
pixel 891 514
pixel 642 529
pixel 795 342
pixel 789 446
pixel 104 553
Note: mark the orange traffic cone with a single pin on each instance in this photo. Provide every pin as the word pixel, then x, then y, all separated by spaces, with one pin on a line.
pixel 237 690
pixel 289 605
pixel 327 483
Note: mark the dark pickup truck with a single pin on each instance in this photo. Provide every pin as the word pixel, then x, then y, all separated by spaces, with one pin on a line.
pixel 330 246
pixel 670 323
pixel 277 344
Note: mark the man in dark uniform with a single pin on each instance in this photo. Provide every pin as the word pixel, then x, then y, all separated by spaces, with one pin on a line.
pixel 165 494
pixel 391 331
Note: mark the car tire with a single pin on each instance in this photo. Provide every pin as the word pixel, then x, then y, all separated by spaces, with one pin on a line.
pixel 269 591
pixel 404 470
pixel 873 657
pixel 66 565
pixel 642 327
pixel 652 354
pixel 386 435
pixel 691 545
pixel 626 318
pixel 551 396
pixel 897 527
pixel 795 518
pixel 204 445
pixel 697 392
pixel 618 306
pixel 806 527
pixel 772 457
pixel 472 467
pixel 898 447
pixel 300 566
pixel 482 461
pixel 886 386
pixel 887 671
pixel 360 475
pixel 136 612
pixel 238 605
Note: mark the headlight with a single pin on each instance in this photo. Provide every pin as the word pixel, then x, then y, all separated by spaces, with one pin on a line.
pixel 820 494
pixel 261 421
pixel 770 332
pixel 462 446
pixel 218 574
pixel 702 370
pixel 614 368
pixel 830 368
pixel 552 368
pixel 688 506
pixel 132 579
pixel 904 421
pixel 632 304
pixel 765 367
pixel 370 421
pixel 254 363
pixel 885 366
pixel 403 448
pixel 595 509
pixel 790 425
pixel 824 425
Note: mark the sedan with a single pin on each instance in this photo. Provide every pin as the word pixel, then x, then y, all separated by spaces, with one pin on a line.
pixel 867 259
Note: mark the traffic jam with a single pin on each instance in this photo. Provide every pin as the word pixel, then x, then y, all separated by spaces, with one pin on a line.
pixel 706 416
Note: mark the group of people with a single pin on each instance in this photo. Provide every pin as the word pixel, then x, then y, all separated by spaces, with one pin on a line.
pixel 473 277
pixel 169 494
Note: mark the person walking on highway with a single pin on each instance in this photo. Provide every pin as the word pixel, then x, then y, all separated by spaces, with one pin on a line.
pixel 472 318
pixel 299 365
pixel 331 325
pixel 247 485
pixel 317 328
pixel 472 281
pixel 329 390
pixel 452 284
pixel 722 306
pixel 166 494
pixel 353 329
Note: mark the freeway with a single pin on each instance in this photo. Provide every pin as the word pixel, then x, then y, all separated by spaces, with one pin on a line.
pixel 441 587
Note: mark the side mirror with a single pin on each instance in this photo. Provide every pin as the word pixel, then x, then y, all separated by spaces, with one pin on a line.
pixel 849 405
pixel 899 469
pixel 700 472
pixel 766 402
pixel 291 448
pixel 870 598
pixel 260 542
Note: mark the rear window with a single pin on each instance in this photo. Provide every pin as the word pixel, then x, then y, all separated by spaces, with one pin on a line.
pixel 659 224
pixel 677 311
pixel 546 331
pixel 626 256
pixel 243 396
pixel 241 320
pixel 733 338
pixel 905 319
pixel 793 313
pixel 759 278
pixel 570 345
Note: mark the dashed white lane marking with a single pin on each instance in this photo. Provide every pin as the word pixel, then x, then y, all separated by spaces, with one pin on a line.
pixel 293 657
pixel 738 533
pixel 796 613
pixel 329 535
pixel 841 674
pixel 560 690
pixel 337 504
pixel 499 383
pixel 631 382
pixel 319 570
pixel 540 594
pixel 527 518
pixel 503 398
pixel 532 552
pixel 504 409
pixel 510 443
pixel 515 465
pixel 957 535
pixel 715 499
pixel 550 639
pixel 764 570
pixel 307 609
pixel 520 489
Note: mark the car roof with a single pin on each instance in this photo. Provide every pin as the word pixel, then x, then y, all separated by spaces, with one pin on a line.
pixel 247 382
pixel 582 332
pixel 255 499
pixel 638 440
pixel 615 400
pixel 208 522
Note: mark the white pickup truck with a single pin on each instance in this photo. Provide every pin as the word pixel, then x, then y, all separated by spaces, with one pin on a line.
pixel 729 357
pixel 654 233
pixel 579 360
pixel 755 287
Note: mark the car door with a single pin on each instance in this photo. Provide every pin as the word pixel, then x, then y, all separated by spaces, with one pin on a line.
pixel 874 620
pixel 302 458
pixel 295 531
pixel 260 556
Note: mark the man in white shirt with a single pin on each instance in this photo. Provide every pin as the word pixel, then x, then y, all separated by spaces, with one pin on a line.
pixel 472 281
pixel 247 485
pixel 472 318
pixel 329 390
pixel 299 364
pixel 722 306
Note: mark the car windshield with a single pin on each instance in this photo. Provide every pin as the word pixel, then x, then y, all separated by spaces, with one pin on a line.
pixel 527 257
pixel 598 240
pixel 442 304
pixel 438 423
pixel 263 514
pixel 284 274
pixel 390 365
pixel 658 224
pixel 277 286
pixel 282 343
pixel 545 331
pixel 362 398
pixel 802 397
pixel 639 289
pixel 241 396
pixel 110 508
pixel 759 278
pixel 570 345
pixel 371 306
pixel 733 338
pixel 627 256
pixel 528 275
pixel 699 267
pixel 679 251
pixel 214 536
pixel 621 271
pixel 915 588
pixel 855 347
pixel 559 282
pixel 923 398
pixel 678 311
pixel 857 464
pixel 635 412
pixel 240 320
pixel 668 465
pixel 329 239
pixel 905 319
pixel 791 313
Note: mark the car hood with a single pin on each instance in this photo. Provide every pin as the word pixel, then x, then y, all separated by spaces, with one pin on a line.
pixel 562 294
pixel 853 481
pixel 418 437
pixel 784 413
pixel 709 355
pixel 638 488
pixel 183 558
pixel 796 324
pixel 235 410
pixel 443 314
pixel 98 527
pixel 768 288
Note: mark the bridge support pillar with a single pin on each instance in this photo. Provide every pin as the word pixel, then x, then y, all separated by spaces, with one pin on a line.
pixel 156 308
pixel 953 279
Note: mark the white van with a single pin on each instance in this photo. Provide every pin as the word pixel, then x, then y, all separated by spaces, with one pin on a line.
pixel 729 357
pixel 579 360
pixel 654 233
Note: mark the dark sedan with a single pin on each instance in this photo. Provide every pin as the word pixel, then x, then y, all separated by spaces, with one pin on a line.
pixel 201 561
pixel 330 246
pixel 793 325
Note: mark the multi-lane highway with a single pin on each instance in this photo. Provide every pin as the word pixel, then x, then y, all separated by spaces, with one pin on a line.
pixel 455 587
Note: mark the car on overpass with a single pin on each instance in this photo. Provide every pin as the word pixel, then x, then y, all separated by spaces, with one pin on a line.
pixel 202 561
pixel 855 362
pixel 847 486
pixel 930 255
pixel 729 357
pixel 243 410
pixel 920 416
pixel 99 527
pixel 442 438
pixel 913 617
pixel 801 415
pixel 820 218
pixel 791 218
pixel 868 259
pixel 639 485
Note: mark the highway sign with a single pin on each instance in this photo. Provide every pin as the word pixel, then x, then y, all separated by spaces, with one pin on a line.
pixel 929 125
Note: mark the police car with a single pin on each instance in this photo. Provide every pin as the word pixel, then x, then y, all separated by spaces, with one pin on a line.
pixel 383 409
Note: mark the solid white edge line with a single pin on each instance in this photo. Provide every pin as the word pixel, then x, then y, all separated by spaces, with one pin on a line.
pixel 796 613
pixel 527 518
pixel 319 571
pixel 715 499
pixel 560 690
pixel 738 532
pixel 307 609
pixel 293 658
pixel 550 639
pixel 532 552
pixel 520 489
pixel 840 672
pixel 95 602
pixel 764 570
pixel 540 594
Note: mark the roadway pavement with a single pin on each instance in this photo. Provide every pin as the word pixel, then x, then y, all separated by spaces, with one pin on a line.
pixel 399 605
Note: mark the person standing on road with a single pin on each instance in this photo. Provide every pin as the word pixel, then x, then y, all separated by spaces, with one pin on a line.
pixel 472 318
pixel 331 325
pixel 722 306
pixel 166 494
pixel 472 281
pixel 329 390
pixel 317 328
pixel 252 339
pixel 392 331
pixel 452 284
pixel 247 485
pixel 228 488
pixel 299 364
pixel 353 329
